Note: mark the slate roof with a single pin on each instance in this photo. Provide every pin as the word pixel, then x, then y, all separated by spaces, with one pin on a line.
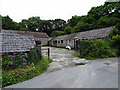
pixel 35 34
pixel 93 34
pixel 65 37
pixel 89 35
pixel 16 43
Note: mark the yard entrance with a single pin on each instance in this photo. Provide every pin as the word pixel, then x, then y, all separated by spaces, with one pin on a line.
pixel 61 58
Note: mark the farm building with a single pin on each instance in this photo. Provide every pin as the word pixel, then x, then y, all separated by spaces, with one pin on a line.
pixel 39 37
pixel 72 39
pixel 10 42
pixel 14 41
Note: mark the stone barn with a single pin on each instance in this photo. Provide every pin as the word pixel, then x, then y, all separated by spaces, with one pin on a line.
pixel 72 39
pixel 62 41
pixel 39 37
pixel 11 43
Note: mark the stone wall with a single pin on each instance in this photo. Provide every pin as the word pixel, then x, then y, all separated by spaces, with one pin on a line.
pixel 44 41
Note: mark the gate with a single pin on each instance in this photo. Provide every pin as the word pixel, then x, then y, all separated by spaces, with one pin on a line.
pixel 46 52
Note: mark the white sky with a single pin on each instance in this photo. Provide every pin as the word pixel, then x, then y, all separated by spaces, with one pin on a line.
pixel 46 9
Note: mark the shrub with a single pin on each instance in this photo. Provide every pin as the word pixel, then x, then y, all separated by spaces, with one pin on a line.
pixel 10 62
pixel 34 56
pixel 36 65
pixel 114 38
pixel 95 49
pixel 18 75
pixel 83 44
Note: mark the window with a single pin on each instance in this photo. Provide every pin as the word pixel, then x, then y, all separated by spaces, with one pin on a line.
pixel 55 41
pixel 38 42
pixel 69 40
pixel 61 41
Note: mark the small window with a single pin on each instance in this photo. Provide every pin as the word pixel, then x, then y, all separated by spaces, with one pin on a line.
pixel 54 41
pixel 61 41
pixel 58 41
pixel 38 42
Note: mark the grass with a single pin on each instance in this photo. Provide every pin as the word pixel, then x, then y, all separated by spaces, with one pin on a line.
pixel 21 74
pixel 75 54
pixel 50 60
pixel 60 48
pixel 90 58
pixel 87 58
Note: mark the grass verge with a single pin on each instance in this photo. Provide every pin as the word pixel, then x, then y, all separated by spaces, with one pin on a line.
pixel 18 75
pixel 75 54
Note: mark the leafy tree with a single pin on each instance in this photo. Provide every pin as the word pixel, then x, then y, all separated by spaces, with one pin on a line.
pixel 9 24
pixel 36 24
pixel 81 26
pixel 45 26
pixel 58 24
pixel 74 20
pixel 107 21
pixel 68 30
pixel 57 33
pixel 114 37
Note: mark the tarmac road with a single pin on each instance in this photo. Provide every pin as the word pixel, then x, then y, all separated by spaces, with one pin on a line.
pixel 94 75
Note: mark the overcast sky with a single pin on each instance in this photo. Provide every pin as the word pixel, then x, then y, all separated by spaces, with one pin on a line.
pixel 46 9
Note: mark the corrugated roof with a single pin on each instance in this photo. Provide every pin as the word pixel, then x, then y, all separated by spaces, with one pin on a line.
pixel 35 34
pixel 16 43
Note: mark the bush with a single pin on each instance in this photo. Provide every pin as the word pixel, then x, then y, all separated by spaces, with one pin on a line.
pixel 83 44
pixel 11 62
pixel 34 56
pixel 36 65
pixel 95 49
pixel 114 38
pixel 18 75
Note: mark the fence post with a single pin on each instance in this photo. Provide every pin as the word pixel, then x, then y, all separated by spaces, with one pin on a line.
pixel 48 53
pixel 40 52
pixel 74 44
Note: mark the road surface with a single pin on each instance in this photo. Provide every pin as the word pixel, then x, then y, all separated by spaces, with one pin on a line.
pixel 101 73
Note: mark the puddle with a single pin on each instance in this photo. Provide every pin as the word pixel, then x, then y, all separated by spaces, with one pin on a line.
pixel 77 64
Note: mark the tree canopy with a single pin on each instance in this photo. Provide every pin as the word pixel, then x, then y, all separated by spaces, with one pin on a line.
pixel 98 17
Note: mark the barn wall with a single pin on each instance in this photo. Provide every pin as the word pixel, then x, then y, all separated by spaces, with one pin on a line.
pixel 64 44
pixel 44 41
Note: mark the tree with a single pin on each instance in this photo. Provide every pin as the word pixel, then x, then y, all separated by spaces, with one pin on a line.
pixel 68 30
pixel 81 26
pixel 58 24
pixel 9 24
pixel 57 33
pixel 74 20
